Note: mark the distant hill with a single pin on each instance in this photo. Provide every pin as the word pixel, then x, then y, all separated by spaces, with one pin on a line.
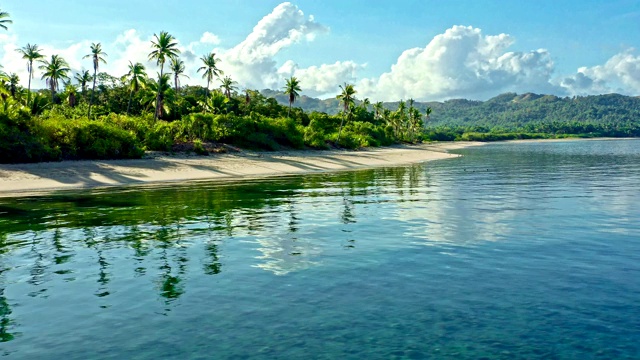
pixel 309 104
pixel 508 110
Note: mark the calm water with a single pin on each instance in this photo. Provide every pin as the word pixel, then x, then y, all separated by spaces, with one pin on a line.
pixel 515 251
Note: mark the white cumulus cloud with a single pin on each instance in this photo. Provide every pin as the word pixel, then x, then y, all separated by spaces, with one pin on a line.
pixel 252 61
pixel 620 74
pixel 210 38
pixel 462 62
pixel 323 79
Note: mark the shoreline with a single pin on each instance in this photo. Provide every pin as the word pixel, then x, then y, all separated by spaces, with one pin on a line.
pixel 20 180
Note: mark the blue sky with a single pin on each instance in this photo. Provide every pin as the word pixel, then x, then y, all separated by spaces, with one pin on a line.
pixel 428 50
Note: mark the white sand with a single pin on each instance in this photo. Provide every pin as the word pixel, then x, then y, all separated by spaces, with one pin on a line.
pixel 26 179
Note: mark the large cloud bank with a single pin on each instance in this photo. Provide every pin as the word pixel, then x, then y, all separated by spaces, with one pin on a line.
pixel 462 62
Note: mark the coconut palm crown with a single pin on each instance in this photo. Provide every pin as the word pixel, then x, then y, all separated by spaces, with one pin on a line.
pixel 53 71
pixel 210 68
pixel 30 53
pixel 292 88
pixel 4 20
pixel 164 47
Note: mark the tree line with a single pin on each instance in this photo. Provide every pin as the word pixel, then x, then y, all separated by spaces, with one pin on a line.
pixel 93 114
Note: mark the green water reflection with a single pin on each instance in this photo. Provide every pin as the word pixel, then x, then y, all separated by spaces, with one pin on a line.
pixel 69 233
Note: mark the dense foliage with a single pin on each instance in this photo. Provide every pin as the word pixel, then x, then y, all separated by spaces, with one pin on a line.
pixel 120 128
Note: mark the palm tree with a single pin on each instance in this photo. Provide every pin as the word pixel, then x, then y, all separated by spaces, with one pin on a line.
pixel 4 20
pixel 159 95
pixel 228 85
pixel 164 46
pixel 136 77
pixel 210 68
pixel 71 91
pixel 177 67
pixel 292 89
pixel 214 103
pixel 427 112
pixel 365 104
pixel 30 53
pixel 97 55
pixel 347 98
pixel 14 80
pixel 53 71
pixel 378 107
pixel 83 79
pixel 400 116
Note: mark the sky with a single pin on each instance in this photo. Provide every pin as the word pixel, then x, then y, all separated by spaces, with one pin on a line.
pixel 427 50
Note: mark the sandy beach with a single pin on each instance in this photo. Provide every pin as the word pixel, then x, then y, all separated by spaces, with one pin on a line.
pixel 29 179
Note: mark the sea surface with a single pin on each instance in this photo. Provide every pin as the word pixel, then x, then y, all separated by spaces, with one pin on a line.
pixel 526 250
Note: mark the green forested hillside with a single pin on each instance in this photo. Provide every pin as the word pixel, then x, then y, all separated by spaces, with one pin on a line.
pixel 515 116
pixel 513 111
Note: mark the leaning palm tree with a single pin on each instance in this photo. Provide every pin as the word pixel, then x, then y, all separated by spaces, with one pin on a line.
pixel 164 47
pixel 228 85
pixel 210 68
pixel 83 79
pixel 53 71
pixel 30 53
pixel 98 56
pixel 292 88
pixel 177 68
pixel 347 98
pixel 136 79
pixel 4 20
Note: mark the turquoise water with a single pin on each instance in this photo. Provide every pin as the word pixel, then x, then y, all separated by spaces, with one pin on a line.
pixel 514 251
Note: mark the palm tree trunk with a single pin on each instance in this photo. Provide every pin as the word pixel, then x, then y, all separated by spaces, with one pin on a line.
pixel 289 113
pixel 155 116
pixel 129 105
pixel 93 91
pixel 29 86
pixel 340 131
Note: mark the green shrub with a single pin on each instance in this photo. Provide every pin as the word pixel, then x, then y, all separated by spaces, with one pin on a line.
pixel 160 137
pixel 198 148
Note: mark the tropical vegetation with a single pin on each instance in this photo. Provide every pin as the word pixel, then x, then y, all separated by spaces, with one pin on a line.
pixel 125 115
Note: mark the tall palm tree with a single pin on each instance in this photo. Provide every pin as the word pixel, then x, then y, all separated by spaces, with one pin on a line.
pixel 292 89
pixel 98 56
pixel 53 71
pixel 30 53
pixel 347 98
pixel 4 20
pixel 136 77
pixel 210 68
pixel 177 68
pixel 83 79
pixel 228 85
pixel 164 47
